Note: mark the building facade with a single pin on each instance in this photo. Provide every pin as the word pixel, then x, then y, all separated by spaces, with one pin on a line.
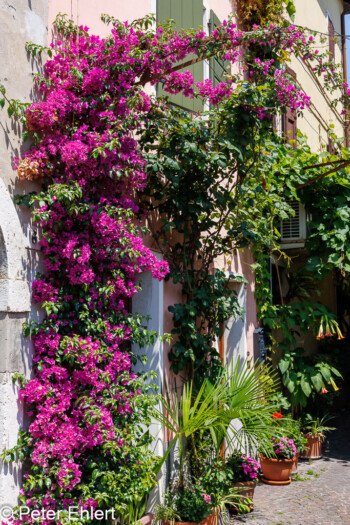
pixel 19 247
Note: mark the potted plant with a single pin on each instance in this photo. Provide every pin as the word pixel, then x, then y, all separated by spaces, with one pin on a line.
pixel 290 428
pixel 300 442
pixel 191 505
pixel 293 431
pixel 314 431
pixel 277 463
pixel 188 504
pixel 242 471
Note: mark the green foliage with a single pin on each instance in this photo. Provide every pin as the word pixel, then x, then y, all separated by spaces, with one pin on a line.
pixel 15 108
pixel 263 12
pixel 206 494
pixel 146 22
pixel 213 301
pixel 189 503
pixel 328 241
pixel 67 27
pixel 193 196
pixel 36 50
pixel 316 426
pixel 302 378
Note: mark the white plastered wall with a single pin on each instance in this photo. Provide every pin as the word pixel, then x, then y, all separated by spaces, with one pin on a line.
pixel 149 302
pixel 235 337
pixel 235 329
pixel 14 306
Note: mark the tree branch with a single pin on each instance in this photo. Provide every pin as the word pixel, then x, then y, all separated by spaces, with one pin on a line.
pixel 346 163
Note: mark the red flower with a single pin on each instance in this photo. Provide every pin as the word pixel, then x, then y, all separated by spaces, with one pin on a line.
pixel 277 415
pixel 324 390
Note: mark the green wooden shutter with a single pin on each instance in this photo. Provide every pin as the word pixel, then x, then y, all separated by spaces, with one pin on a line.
pixel 186 14
pixel 217 67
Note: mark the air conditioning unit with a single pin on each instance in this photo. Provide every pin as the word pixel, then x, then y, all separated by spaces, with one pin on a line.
pixel 293 229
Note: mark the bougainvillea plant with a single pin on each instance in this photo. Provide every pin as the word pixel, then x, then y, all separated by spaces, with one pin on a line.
pixel 87 406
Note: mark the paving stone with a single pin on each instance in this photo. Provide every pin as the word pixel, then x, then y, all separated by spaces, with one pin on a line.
pixel 324 499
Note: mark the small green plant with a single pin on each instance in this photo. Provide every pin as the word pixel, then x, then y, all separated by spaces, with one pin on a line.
pixel 312 473
pixel 297 477
pixel 316 426
pixel 164 512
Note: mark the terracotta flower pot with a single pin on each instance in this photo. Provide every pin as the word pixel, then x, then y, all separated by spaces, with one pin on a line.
pixel 146 519
pixel 247 487
pixel 295 463
pixel 313 449
pixel 247 491
pixel 212 519
pixel 276 471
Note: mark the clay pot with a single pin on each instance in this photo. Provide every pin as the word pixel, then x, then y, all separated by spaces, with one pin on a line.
pixel 313 449
pixel 212 519
pixel 247 487
pixel 295 464
pixel 276 471
pixel 247 491
pixel 147 519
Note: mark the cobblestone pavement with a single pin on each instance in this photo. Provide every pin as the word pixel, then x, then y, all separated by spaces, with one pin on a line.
pixel 322 499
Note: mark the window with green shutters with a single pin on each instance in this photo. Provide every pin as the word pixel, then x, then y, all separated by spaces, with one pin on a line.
pixel 217 67
pixel 186 14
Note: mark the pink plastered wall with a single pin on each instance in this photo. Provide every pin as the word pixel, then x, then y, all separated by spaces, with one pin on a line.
pixel 88 12
pixel 222 8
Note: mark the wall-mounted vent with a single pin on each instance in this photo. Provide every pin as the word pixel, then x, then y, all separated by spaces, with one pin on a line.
pixel 293 229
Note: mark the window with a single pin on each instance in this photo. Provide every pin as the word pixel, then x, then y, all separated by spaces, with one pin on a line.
pixel 293 230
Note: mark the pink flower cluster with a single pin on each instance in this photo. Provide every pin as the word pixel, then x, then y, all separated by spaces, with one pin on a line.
pixel 284 448
pixel 288 94
pixel 179 81
pixel 216 94
pixel 250 467
pixel 74 152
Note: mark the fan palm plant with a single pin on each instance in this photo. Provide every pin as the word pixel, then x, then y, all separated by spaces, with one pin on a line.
pixel 240 395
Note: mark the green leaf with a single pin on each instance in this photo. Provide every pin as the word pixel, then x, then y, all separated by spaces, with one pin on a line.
pixel 326 373
pixel 317 381
pixel 305 386
pixel 291 10
pixel 284 364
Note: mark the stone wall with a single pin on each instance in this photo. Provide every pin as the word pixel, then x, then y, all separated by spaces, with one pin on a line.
pixel 20 21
